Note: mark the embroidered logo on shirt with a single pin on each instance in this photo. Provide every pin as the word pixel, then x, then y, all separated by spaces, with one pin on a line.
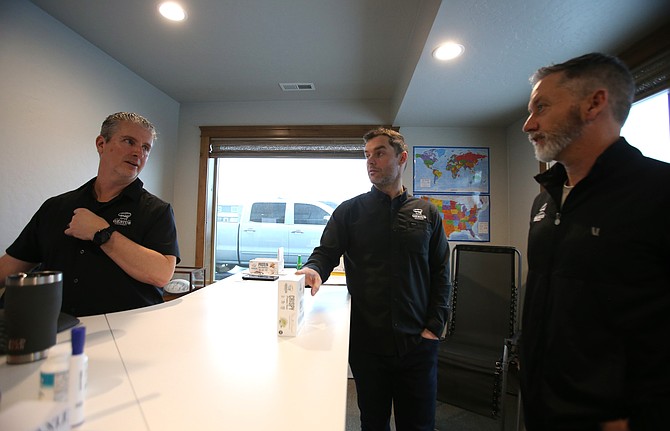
pixel 541 213
pixel 418 214
pixel 123 219
pixel 595 231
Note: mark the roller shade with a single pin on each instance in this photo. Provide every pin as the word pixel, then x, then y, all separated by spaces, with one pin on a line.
pixel 287 147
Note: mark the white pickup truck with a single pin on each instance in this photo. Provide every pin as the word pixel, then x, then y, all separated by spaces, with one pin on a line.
pixel 258 229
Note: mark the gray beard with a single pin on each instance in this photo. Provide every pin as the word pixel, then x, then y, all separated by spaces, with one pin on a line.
pixel 552 147
pixel 556 142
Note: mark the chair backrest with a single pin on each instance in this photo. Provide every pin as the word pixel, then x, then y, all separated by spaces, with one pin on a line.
pixel 485 294
pixel 472 362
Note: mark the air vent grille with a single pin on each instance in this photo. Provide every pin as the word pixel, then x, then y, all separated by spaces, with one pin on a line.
pixel 297 86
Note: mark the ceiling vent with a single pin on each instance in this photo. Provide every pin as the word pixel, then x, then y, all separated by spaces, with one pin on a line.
pixel 297 86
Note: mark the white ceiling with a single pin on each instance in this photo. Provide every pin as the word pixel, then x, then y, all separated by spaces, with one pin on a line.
pixel 360 50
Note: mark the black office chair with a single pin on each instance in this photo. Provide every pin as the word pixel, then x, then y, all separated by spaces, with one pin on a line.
pixel 475 359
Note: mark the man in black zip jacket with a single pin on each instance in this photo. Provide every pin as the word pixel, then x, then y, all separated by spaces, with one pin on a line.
pixel 595 350
pixel 396 257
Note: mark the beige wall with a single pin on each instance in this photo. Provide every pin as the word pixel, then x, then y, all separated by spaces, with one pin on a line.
pixel 522 168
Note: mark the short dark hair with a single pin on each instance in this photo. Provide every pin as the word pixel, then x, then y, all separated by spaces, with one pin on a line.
pixel 396 140
pixel 111 123
pixel 586 73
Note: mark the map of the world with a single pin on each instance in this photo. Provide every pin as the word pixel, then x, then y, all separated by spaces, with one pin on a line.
pixel 451 170
pixel 465 218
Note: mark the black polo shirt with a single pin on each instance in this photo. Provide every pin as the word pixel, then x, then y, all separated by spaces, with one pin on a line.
pixel 92 282
pixel 396 257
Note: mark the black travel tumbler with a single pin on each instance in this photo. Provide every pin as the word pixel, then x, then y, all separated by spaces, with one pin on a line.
pixel 32 306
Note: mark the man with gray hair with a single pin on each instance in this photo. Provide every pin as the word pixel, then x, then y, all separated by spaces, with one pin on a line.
pixel 114 242
pixel 594 353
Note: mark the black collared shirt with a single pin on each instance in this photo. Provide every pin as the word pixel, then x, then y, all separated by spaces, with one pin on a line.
pixel 92 282
pixel 396 259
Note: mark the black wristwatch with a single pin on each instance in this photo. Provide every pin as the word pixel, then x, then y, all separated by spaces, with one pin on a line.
pixel 103 235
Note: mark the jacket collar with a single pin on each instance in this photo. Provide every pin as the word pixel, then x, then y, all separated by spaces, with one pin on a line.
pixel 619 152
pixel 383 196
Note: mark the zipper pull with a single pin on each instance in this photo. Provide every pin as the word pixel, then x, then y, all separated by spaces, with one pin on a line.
pixel 558 219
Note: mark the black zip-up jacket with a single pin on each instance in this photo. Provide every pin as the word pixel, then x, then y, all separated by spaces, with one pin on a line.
pixel 596 319
pixel 396 258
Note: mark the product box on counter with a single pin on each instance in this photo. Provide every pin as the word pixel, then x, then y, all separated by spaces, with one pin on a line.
pixel 265 266
pixel 33 415
pixel 290 305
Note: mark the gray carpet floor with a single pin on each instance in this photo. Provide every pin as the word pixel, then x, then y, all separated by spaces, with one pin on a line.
pixel 447 417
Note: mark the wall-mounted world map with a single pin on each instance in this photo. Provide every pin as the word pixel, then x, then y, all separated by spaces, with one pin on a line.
pixel 451 170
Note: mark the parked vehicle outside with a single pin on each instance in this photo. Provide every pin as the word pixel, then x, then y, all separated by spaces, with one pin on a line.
pixel 257 229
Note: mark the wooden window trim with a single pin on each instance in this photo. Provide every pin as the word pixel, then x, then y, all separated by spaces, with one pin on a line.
pixel 649 62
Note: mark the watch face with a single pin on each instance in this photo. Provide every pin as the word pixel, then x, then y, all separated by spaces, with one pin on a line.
pixel 101 237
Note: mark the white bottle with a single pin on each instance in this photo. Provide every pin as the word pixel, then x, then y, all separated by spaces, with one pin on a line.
pixel 78 376
pixel 54 374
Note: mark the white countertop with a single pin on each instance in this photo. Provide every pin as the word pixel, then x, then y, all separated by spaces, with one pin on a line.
pixel 110 397
pixel 211 360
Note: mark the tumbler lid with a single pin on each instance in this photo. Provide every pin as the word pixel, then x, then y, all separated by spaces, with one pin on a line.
pixel 33 278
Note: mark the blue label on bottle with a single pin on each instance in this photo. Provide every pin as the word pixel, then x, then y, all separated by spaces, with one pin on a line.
pixel 47 379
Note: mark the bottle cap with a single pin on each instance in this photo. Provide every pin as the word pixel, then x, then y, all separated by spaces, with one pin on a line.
pixel 78 336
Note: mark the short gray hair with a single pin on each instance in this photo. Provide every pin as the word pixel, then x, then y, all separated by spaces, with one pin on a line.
pixel 588 72
pixel 111 123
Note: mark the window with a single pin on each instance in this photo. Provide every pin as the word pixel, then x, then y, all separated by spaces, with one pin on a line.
pixel 228 213
pixel 304 191
pixel 648 126
pixel 267 212
pixel 310 214
pixel 267 187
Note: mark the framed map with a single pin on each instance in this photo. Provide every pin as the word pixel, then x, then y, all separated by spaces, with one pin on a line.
pixel 464 217
pixel 451 170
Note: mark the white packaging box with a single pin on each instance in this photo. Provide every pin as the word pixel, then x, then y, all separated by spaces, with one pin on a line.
pixel 264 266
pixel 280 259
pixel 33 415
pixel 290 305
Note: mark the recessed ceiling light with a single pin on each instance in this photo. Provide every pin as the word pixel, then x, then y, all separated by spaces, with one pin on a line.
pixel 172 11
pixel 448 51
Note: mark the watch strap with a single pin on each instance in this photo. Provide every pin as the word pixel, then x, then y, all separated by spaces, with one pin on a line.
pixel 103 235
